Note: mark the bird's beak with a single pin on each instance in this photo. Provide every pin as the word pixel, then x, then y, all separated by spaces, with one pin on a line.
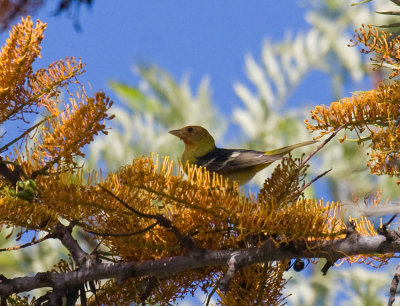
pixel 177 133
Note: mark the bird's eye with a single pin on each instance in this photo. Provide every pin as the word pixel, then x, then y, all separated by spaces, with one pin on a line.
pixel 190 129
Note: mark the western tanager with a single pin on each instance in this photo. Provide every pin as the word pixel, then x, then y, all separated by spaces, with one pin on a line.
pixel 236 164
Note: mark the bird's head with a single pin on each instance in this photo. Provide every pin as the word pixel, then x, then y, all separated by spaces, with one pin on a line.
pixel 196 138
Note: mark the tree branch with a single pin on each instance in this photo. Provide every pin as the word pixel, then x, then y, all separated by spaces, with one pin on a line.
pixel 230 273
pixel 167 267
pixel 13 176
pixel 300 190
pixel 323 144
pixel 107 234
pixel 33 242
pixel 352 236
pixel 185 240
pixel 63 233
pixel 393 286
pixel 24 134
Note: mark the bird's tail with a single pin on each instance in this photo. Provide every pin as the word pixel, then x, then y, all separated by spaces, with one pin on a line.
pixel 284 150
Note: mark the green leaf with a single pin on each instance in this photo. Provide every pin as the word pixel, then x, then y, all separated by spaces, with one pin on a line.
pixel 135 98
pixel 362 2
pixel 389 13
pixel 358 139
pixel 358 92
pixel 392 25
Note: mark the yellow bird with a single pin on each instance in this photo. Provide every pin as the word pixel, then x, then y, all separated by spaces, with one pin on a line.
pixel 236 164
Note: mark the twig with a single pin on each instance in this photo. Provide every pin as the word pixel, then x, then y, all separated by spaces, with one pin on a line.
pixel 107 258
pixel 151 283
pixel 63 233
pixel 327 266
pixel 352 236
pixel 390 235
pixel 6 146
pixel 184 240
pixel 299 191
pixel 315 151
pixel 52 162
pixel 26 244
pixel 51 297
pixel 180 201
pixel 94 251
pixel 390 221
pixel 308 157
pixel 230 273
pixel 210 295
pixel 105 234
pixel 394 285
pixel 82 295
pixel 13 176
pixel 140 214
pixel 43 170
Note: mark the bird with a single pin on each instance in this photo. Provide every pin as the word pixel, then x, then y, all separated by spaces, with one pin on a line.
pixel 238 165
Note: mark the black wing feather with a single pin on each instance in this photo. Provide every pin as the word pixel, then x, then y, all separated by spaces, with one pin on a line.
pixel 226 160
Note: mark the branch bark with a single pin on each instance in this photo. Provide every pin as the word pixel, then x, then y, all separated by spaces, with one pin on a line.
pixel 166 267
pixel 394 285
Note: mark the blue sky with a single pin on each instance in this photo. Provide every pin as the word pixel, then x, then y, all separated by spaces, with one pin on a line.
pixel 204 38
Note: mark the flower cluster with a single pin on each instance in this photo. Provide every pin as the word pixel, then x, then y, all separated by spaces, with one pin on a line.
pixel 373 116
pixel 384 46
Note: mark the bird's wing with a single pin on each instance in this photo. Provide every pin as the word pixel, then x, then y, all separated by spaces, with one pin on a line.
pixel 226 160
